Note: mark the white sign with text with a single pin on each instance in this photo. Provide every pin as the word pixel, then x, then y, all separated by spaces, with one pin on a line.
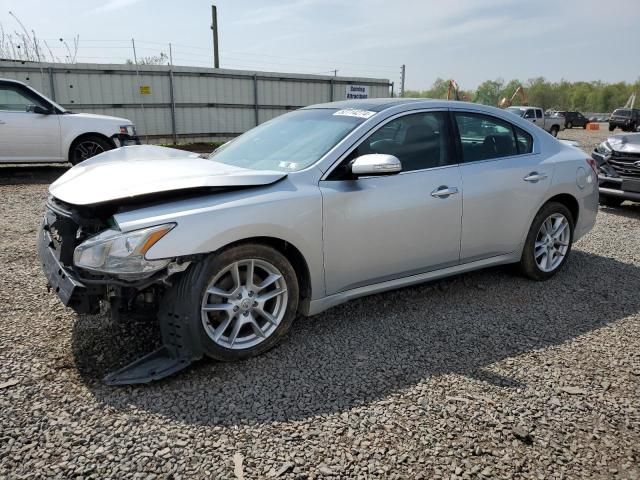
pixel 357 91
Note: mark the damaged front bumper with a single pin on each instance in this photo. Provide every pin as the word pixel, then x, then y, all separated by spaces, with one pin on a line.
pixel 627 189
pixel 86 296
pixel 619 176
pixel 123 140
pixel 63 281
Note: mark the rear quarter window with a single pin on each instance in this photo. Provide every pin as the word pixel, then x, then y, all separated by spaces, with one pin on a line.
pixel 524 141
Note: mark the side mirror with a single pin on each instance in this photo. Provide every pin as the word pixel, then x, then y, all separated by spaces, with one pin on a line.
pixel 375 164
pixel 38 109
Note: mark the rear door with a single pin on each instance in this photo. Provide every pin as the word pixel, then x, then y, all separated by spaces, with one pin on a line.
pixel 504 182
pixel 26 136
pixel 387 227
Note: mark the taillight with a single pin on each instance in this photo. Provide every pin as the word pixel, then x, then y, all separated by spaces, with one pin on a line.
pixel 593 164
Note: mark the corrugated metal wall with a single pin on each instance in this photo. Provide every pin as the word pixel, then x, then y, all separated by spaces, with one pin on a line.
pixel 207 104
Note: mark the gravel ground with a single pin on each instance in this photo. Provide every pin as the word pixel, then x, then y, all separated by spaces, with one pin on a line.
pixel 588 139
pixel 484 375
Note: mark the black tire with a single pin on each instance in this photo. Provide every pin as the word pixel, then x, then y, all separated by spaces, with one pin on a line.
pixel 609 201
pixel 569 125
pixel 190 292
pixel 528 265
pixel 86 147
pixel 584 126
pixel 554 130
pixel 611 128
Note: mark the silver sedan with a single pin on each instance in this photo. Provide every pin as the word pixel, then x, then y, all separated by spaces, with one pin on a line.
pixel 309 210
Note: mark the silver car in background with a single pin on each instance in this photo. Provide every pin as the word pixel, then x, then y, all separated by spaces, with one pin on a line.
pixel 309 210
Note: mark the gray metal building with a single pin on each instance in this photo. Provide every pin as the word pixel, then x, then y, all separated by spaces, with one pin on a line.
pixel 185 103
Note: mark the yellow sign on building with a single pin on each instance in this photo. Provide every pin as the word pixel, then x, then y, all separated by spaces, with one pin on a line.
pixel 145 89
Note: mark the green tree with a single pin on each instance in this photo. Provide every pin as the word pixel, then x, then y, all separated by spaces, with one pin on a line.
pixel 489 92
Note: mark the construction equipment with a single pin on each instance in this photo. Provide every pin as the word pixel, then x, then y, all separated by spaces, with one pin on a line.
pixel 507 102
pixel 453 87
pixel 631 101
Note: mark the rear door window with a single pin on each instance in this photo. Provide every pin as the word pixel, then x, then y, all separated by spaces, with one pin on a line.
pixel 483 137
pixel 538 113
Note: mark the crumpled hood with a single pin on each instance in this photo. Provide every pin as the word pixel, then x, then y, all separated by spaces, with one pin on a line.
pixel 137 170
pixel 625 143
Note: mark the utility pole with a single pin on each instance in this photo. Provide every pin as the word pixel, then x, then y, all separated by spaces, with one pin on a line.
pixel 402 75
pixel 214 28
pixel 335 73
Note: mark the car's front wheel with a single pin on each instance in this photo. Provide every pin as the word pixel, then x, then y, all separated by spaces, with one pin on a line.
pixel 87 147
pixel 548 243
pixel 243 300
pixel 611 128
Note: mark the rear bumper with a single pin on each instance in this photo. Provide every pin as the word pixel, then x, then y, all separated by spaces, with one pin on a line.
pixel 71 291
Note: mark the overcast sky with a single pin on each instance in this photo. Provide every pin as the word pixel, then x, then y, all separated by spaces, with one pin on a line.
pixel 467 40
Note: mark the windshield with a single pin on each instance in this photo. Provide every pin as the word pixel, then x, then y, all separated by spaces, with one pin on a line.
pixel 622 113
pixel 290 142
pixel 517 110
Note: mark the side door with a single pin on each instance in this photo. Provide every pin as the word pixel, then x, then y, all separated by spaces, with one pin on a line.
pixel 539 118
pixel 530 115
pixel 504 180
pixel 387 227
pixel 26 136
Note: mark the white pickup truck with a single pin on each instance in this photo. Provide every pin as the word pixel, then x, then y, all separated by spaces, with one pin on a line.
pixel 33 128
pixel 551 123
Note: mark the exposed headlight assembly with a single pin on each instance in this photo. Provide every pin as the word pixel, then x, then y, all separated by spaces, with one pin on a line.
pixel 122 254
pixel 604 150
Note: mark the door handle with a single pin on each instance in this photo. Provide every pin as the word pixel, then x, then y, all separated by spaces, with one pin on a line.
pixel 443 191
pixel 534 177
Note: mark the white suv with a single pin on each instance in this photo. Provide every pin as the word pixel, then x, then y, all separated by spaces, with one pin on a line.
pixel 33 128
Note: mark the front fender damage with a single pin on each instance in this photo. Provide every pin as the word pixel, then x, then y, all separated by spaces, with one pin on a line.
pixel 180 348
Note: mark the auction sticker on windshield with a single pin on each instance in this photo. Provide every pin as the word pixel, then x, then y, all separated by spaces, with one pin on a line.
pixel 354 112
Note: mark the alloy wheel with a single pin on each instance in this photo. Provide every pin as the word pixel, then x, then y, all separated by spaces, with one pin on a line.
pixel 552 242
pixel 244 304
pixel 87 149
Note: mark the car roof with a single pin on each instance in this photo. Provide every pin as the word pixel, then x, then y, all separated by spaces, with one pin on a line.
pixel 372 104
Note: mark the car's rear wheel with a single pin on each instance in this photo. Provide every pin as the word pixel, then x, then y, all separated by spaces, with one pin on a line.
pixel 569 125
pixel 243 300
pixel 554 130
pixel 548 243
pixel 609 201
pixel 87 147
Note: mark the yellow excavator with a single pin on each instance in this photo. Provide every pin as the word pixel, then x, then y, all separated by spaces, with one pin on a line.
pixel 507 102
